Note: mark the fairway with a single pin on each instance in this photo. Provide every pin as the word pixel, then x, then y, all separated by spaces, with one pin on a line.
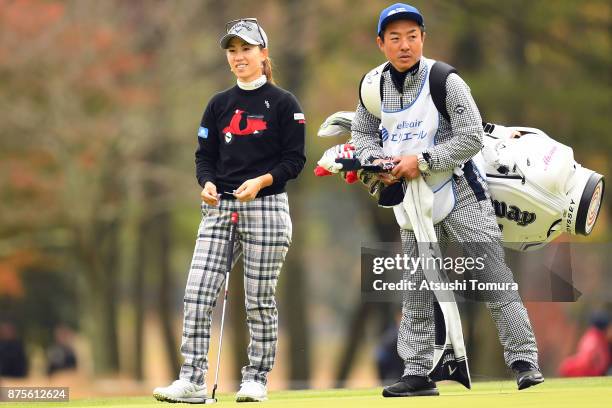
pixel 581 392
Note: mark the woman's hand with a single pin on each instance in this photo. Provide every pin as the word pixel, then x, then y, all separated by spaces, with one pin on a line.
pixel 209 194
pixel 249 189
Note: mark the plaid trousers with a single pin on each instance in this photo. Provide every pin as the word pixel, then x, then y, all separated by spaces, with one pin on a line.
pixel 471 221
pixel 263 237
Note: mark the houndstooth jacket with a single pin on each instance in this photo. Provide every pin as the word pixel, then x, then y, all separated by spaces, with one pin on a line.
pixel 457 141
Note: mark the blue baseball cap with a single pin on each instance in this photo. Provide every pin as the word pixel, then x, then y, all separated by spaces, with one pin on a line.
pixel 399 11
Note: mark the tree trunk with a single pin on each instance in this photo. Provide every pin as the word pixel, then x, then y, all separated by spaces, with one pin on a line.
pixel 294 307
pixel 101 259
pixel 386 231
pixel 111 293
pixel 138 300
pixel 166 302
pixel 354 338
pixel 295 286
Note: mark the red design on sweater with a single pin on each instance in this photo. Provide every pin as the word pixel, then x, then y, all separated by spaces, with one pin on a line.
pixel 254 124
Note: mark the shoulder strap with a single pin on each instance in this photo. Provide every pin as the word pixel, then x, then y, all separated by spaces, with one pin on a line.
pixel 371 85
pixel 370 90
pixel 437 85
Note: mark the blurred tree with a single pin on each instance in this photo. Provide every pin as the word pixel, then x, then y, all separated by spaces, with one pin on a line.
pixel 100 102
pixel 294 288
pixel 72 121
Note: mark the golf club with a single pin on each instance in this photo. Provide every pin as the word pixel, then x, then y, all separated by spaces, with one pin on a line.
pixel 354 165
pixel 230 256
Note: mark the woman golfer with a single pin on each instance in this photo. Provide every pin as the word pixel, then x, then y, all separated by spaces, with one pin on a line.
pixel 250 143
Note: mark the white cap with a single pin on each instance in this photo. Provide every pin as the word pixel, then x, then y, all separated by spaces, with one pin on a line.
pixel 247 29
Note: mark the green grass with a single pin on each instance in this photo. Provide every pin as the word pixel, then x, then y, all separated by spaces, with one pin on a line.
pixel 557 393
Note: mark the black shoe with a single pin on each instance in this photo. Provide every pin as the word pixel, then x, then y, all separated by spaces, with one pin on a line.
pixel 526 374
pixel 411 386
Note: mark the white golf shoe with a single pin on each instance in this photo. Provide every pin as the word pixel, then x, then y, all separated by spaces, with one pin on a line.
pixel 181 391
pixel 252 391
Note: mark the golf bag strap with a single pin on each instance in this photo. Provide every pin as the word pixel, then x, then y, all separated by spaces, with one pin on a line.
pixel 371 87
pixel 437 85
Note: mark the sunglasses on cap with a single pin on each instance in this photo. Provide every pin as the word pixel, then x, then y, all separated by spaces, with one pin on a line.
pixel 230 24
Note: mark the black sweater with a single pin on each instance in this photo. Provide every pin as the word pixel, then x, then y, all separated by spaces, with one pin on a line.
pixel 246 134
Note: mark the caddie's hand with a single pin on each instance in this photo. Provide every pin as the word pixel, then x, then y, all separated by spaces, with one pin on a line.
pixel 249 189
pixel 209 194
pixel 386 178
pixel 406 166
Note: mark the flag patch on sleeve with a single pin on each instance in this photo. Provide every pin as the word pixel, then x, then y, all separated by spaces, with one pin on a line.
pixel 299 117
pixel 203 132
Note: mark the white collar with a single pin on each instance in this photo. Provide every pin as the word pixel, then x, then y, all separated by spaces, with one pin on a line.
pixel 249 86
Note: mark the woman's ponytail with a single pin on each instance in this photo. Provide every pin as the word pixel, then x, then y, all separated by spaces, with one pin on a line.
pixel 267 69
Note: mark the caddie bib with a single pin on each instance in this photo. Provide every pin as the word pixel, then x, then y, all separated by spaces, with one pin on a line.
pixel 411 131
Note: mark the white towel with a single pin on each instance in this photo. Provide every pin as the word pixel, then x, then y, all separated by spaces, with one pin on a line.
pixel 450 360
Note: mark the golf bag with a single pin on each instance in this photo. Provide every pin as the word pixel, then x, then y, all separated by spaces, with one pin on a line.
pixel 537 189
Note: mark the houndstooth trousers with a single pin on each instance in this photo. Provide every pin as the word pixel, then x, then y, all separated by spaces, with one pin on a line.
pixel 263 238
pixel 471 221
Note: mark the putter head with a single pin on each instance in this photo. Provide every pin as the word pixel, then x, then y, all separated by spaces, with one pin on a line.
pixel 210 401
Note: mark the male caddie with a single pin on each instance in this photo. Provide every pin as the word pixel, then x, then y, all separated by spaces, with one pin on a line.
pixel 408 128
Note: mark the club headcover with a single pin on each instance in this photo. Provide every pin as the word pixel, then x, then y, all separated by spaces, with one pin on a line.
pixel 351 177
pixel 392 195
pixel 320 171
